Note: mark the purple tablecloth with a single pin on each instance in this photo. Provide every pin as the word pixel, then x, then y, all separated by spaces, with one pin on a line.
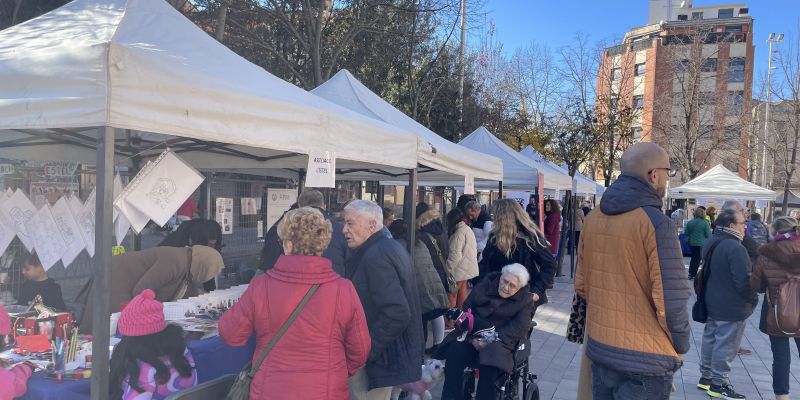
pixel 212 357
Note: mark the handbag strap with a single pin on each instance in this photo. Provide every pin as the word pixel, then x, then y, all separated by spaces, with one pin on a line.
pixel 283 329
pixel 435 244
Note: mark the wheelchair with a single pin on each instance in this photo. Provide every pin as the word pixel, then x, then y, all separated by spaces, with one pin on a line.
pixel 520 382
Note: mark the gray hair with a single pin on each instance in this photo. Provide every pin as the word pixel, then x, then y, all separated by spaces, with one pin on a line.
pixel 518 271
pixel 472 205
pixel 368 209
pixel 732 205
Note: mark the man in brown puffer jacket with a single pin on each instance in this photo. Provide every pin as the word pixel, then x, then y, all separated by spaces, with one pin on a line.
pixel 631 273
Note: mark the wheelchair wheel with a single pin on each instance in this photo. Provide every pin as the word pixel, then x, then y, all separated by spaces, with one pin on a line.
pixel 530 390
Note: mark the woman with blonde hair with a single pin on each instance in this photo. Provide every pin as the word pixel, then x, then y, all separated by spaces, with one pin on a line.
pixel 327 342
pixel 778 263
pixel 516 239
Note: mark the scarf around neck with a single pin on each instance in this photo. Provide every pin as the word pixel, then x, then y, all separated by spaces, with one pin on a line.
pixel 732 232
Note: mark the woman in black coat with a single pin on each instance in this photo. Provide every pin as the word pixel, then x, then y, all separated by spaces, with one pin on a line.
pixel 515 239
pixel 502 301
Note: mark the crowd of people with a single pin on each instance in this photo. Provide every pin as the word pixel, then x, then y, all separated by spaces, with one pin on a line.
pixel 343 310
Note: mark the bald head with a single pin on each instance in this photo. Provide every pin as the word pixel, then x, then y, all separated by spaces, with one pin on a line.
pixel 641 158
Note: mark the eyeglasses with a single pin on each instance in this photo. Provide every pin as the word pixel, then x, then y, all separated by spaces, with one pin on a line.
pixel 670 172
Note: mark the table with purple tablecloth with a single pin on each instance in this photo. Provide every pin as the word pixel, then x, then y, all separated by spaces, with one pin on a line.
pixel 212 357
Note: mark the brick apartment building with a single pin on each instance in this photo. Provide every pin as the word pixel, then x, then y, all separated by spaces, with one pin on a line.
pixel 684 80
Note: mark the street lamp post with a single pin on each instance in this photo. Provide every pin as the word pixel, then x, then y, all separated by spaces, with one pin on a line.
pixel 771 40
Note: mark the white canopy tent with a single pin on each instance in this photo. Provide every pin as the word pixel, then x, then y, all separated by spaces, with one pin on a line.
pixel 584 185
pixel 520 173
pixel 141 66
pixel 720 183
pixel 108 82
pixel 446 159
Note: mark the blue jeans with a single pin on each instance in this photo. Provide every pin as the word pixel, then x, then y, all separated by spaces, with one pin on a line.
pixel 781 361
pixel 609 384
pixel 721 340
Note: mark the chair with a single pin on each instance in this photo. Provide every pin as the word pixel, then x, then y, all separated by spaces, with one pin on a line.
pixel 214 389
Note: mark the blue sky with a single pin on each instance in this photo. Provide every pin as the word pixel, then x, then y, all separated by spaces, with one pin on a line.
pixel 518 22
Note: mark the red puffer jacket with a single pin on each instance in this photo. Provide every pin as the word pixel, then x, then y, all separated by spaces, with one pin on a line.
pixel 324 346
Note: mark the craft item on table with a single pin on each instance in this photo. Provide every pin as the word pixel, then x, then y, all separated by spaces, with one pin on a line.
pixel 49 243
pixel 41 320
pixel 70 231
pixel 160 188
pixel 198 328
pixel 85 220
pixel 19 210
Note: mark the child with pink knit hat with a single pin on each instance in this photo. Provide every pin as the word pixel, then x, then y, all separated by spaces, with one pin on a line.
pixel 14 382
pixel 151 361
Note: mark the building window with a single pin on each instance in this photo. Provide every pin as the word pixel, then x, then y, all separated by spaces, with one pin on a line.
pixel 735 103
pixel 683 17
pixel 614 102
pixel 636 134
pixel 707 98
pixel 709 65
pixel 638 102
pixel 697 15
pixel 732 135
pixel 616 73
pixel 677 99
pixel 736 69
pixel 733 28
pixel 682 66
pixel 639 69
pixel 725 13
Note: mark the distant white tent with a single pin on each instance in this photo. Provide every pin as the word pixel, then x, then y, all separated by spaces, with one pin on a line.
pixel 585 185
pixel 447 159
pixel 720 183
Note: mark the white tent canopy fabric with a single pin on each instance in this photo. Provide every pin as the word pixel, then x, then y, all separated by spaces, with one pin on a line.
pixel 720 183
pixel 440 154
pixel 584 185
pixel 140 65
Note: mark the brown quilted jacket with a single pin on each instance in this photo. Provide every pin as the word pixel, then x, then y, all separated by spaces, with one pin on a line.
pixel 631 273
pixel 774 261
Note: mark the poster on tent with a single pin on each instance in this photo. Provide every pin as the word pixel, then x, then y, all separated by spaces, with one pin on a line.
pixel 523 198
pixel 540 192
pixel 224 214
pixel 761 204
pixel 702 202
pixel 278 202
pixel 85 220
pixel 19 210
pixel 70 231
pixel 469 184
pixel 159 189
pixel 250 205
pixel 49 243
pixel 321 171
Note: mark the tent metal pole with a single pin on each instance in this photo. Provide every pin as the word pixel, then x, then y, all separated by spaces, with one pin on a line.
pixel 500 190
pixel 102 262
pixel 207 194
pixel 410 209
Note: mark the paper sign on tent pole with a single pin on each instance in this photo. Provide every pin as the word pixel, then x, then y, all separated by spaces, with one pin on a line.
pixel 19 210
pixel 158 190
pixel 70 231
pixel 469 184
pixel 321 171
pixel 50 245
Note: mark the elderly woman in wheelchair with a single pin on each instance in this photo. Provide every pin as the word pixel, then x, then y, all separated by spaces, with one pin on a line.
pixel 496 318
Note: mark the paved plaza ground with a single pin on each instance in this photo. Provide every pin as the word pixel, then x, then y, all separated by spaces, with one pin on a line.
pixel 556 361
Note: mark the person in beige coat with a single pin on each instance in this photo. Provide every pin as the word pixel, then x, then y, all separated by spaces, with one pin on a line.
pixel 462 260
pixel 171 272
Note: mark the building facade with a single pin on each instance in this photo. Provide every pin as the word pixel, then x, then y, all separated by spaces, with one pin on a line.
pixel 684 81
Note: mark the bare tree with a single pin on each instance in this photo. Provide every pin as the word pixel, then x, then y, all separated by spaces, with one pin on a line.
pixel 787 134
pixel 696 126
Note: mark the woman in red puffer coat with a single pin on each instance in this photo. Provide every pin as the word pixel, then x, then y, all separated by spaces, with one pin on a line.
pixel 327 342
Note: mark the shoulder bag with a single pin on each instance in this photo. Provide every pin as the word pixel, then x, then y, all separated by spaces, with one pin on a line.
pixel 699 310
pixel 241 387
pixel 452 285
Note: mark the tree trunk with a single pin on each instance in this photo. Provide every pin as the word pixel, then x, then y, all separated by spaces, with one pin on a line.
pixel 223 15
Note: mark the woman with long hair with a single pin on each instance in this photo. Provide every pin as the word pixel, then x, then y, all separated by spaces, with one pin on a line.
pixel 516 239
pixel 327 342
pixel 152 360
pixel 552 224
pixel 778 262
pixel 462 258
